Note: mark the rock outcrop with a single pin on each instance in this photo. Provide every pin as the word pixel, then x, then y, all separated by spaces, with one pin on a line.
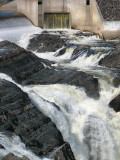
pixel 115 103
pixel 19 116
pixel 113 59
pixel 25 68
pixel 11 156
pixel 45 43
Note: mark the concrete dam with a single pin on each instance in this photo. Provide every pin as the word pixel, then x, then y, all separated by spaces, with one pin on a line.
pixel 59 81
pixel 84 15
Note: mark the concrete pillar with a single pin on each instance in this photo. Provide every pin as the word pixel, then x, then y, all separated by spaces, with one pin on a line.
pixel 29 8
pixel 85 17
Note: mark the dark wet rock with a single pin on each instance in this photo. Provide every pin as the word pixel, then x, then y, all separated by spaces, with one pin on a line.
pixel 11 156
pixel 27 69
pixel 81 50
pixel 112 60
pixel 45 43
pixel 87 34
pixel 1 147
pixel 61 52
pixel 19 63
pixel 63 153
pixel 19 116
pixel 115 103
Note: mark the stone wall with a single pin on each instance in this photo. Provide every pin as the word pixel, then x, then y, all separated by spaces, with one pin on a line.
pixel 110 9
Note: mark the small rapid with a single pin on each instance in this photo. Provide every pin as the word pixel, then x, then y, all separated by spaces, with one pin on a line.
pixel 90 126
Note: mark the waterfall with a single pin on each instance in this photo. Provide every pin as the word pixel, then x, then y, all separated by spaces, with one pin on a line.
pixel 90 126
pixel 15 28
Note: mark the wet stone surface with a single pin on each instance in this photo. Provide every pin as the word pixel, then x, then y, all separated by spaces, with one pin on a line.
pixel 25 68
pixel 45 43
pixel 18 115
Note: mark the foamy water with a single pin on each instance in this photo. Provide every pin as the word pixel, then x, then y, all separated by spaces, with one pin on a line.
pixel 112 26
pixel 14 29
pixel 13 144
pixel 90 126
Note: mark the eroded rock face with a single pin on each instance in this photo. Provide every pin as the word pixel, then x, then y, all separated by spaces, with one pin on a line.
pixel 11 156
pixel 112 60
pixel 45 43
pixel 25 68
pixel 19 116
pixel 115 103
pixel 63 153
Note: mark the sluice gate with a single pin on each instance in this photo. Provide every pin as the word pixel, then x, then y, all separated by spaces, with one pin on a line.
pixel 57 20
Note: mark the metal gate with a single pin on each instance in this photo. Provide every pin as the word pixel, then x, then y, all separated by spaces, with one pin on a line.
pixel 57 20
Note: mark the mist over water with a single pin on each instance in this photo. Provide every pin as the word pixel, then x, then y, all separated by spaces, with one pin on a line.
pixel 90 126
pixel 112 26
pixel 15 28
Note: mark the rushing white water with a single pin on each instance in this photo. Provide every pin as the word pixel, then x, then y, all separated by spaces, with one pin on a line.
pixel 112 26
pixel 83 62
pixel 13 144
pixel 15 28
pixel 90 126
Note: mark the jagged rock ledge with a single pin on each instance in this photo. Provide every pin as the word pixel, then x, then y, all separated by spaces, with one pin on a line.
pixel 113 59
pixel 27 69
pixel 11 156
pixel 19 116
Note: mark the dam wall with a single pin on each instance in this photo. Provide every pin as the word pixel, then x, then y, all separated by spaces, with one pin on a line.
pixel 83 16
pixel 29 8
pixel 86 17
pixel 9 7
pixel 56 5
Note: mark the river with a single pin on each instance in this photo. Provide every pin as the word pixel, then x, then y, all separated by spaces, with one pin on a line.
pixel 89 125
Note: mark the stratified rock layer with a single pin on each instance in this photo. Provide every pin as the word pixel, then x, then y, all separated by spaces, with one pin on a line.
pixel 45 43
pixel 18 115
pixel 113 59
pixel 11 156
pixel 25 68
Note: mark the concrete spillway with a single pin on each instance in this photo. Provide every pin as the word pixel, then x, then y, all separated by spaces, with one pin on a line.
pixel 12 28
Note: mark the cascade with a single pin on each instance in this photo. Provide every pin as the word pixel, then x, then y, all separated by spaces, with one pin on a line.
pixel 90 126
